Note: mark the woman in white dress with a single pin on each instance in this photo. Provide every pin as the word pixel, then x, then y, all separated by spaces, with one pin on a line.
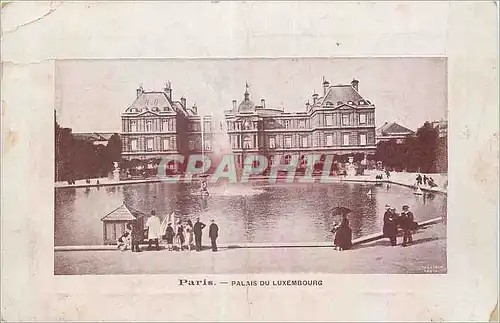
pixel 189 234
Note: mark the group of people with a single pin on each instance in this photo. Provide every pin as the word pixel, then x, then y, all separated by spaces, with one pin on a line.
pixel 425 181
pixel 183 236
pixel 392 221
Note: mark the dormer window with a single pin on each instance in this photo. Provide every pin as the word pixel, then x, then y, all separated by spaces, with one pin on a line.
pixel 156 102
pixel 329 103
pixel 147 102
pixel 350 102
pixel 339 102
pixel 361 102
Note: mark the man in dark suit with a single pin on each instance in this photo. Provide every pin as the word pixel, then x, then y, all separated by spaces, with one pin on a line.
pixel 407 225
pixel 213 233
pixel 197 230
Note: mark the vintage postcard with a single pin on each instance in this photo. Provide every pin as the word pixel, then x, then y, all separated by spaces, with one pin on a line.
pixel 248 165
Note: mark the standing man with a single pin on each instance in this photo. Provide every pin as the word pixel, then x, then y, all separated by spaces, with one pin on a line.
pixel 197 230
pixel 407 224
pixel 213 233
pixel 154 230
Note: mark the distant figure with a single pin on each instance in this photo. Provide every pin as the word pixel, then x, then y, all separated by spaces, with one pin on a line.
pixel 87 181
pixel 180 236
pixel 213 233
pixel 97 182
pixel 387 173
pixel 407 224
pixel 204 188
pixel 390 229
pixel 197 230
pixel 419 179
pixel 425 180
pixel 189 234
pixel 431 182
pixel 169 235
pixel 154 227
pixel 137 236
pixel 343 237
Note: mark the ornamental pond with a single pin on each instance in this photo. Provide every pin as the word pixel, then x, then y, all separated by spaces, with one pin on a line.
pixel 256 212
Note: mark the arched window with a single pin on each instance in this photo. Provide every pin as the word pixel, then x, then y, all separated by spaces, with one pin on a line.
pixel 247 142
pixel 288 158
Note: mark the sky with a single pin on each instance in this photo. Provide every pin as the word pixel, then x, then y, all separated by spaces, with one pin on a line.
pixel 92 94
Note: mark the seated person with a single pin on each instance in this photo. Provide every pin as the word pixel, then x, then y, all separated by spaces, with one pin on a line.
pixel 124 242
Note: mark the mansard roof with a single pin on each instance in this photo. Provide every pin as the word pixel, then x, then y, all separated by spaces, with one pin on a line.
pixel 150 101
pixel 341 94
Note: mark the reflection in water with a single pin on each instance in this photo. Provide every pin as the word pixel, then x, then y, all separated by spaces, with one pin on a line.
pixel 280 212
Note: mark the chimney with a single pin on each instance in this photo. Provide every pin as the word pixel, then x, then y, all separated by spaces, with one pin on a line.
pixel 308 106
pixel 168 90
pixel 234 104
pixel 326 85
pixel 183 102
pixel 355 84
pixel 195 109
pixel 139 90
pixel 263 103
pixel 315 98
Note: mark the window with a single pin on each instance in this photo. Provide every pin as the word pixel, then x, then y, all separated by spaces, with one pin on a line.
pixel 329 140
pixel 288 158
pixel 247 142
pixel 345 140
pixel 191 144
pixel 149 125
pixel 164 125
pixel 147 102
pixel 234 143
pixel 272 160
pixel 133 144
pixel 362 139
pixel 362 119
pixel 329 120
pixel 345 119
pixel 246 125
pixel 288 142
pixel 133 126
pixel 149 144
pixel 302 124
pixel 155 102
pixel 272 142
pixel 304 142
pixel 166 144
pixel 287 124
pixel 207 126
pixel 207 144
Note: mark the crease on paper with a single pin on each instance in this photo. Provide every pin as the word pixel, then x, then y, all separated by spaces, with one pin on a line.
pixel 52 9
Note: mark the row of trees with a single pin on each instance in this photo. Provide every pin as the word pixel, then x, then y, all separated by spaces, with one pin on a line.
pixel 425 152
pixel 77 158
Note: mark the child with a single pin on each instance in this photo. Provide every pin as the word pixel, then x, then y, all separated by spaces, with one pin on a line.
pixel 336 226
pixel 124 242
pixel 169 235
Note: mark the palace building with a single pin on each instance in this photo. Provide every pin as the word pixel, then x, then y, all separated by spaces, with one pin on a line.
pixel 155 126
pixel 339 122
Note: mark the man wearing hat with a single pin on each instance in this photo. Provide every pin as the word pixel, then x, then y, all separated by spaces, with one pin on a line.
pixel 406 224
pixel 197 230
pixel 213 233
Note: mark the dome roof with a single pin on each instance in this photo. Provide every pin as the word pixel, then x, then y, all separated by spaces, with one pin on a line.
pixel 246 104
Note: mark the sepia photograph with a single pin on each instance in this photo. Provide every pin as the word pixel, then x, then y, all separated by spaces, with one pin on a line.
pixel 245 166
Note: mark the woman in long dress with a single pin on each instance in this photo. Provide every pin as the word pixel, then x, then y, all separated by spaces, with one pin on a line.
pixel 343 237
pixel 180 236
pixel 189 234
